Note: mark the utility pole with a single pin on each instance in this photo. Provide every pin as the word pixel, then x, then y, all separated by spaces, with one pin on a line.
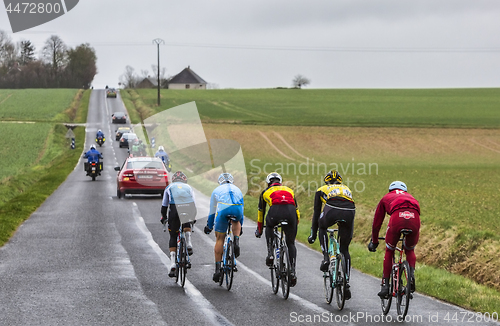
pixel 158 41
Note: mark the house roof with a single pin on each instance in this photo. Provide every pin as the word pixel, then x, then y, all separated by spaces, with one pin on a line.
pixel 187 76
pixel 153 81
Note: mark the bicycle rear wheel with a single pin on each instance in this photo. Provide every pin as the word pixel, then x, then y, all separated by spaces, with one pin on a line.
pixel 275 274
pixel 327 280
pixel 386 302
pixel 183 262
pixel 285 271
pixel 403 294
pixel 223 265
pixel 340 281
pixel 230 265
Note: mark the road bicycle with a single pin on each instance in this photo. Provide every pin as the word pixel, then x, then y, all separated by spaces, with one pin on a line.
pixel 281 269
pixel 183 262
pixel 335 279
pixel 228 260
pixel 399 282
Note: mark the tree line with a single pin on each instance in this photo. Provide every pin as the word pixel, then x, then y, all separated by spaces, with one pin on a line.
pixel 57 66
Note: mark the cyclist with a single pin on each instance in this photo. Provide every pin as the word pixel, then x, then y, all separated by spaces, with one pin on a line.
pixel 178 198
pixel 164 157
pixel 405 214
pixel 282 207
pixel 339 206
pixel 226 199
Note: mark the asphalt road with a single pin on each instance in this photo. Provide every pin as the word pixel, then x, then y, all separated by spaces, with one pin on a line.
pixel 86 257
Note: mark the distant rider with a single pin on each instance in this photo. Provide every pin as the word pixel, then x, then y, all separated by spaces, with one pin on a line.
pixel 164 157
pixel 405 214
pixel 339 206
pixel 178 198
pixel 226 199
pixel 282 207
pixel 99 134
pixel 93 156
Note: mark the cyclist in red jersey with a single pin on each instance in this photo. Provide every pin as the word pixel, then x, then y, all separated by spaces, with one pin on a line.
pixel 405 214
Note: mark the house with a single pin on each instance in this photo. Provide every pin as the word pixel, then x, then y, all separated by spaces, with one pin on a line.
pixel 187 79
pixel 148 82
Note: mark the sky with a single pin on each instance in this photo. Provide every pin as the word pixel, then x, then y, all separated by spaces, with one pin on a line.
pixel 265 44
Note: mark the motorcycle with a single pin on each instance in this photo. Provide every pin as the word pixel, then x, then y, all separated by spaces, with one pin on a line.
pixel 167 164
pixel 93 169
pixel 100 140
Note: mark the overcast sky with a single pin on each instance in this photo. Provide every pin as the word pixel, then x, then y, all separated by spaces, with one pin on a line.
pixel 264 44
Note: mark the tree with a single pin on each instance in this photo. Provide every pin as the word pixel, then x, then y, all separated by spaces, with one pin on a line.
pixel 129 78
pixel 299 81
pixel 81 67
pixel 7 52
pixel 27 52
pixel 54 52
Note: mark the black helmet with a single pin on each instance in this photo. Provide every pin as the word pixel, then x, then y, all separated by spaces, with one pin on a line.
pixel 179 176
pixel 273 177
pixel 333 177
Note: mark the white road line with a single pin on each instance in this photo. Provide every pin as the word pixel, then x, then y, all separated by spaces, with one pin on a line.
pixel 207 309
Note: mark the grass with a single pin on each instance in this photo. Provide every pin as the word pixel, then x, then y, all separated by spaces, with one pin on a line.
pixel 24 190
pixel 465 108
pixel 35 104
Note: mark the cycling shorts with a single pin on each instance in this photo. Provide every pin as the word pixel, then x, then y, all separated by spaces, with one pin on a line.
pixel 223 210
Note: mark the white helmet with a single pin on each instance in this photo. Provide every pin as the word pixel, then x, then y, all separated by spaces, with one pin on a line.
pixel 160 148
pixel 273 178
pixel 92 146
pixel 226 178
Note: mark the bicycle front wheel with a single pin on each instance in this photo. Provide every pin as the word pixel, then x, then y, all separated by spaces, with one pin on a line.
pixel 183 262
pixel 340 281
pixel 285 271
pixel 229 268
pixel 386 302
pixel 403 294
pixel 275 274
pixel 327 280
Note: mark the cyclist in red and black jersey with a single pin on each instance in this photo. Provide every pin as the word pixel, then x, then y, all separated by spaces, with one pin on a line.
pixel 339 207
pixel 405 214
pixel 282 207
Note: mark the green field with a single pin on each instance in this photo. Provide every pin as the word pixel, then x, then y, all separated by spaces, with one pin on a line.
pixel 339 107
pixel 36 155
pixel 374 137
pixel 35 104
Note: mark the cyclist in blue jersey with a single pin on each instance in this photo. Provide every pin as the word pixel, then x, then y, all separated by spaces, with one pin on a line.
pixel 226 199
pixel 178 198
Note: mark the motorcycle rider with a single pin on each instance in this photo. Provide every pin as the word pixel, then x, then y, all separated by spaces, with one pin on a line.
pixel 93 156
pixel 100 134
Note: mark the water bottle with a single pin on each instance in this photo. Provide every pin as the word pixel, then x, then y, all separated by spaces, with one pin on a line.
pixel 277 253
pixel 332 260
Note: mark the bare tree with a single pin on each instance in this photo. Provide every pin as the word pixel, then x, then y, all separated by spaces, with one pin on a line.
pixel 129 78
pixel 299 81
pixel 7 50
pixel 27 52
pixel 54 52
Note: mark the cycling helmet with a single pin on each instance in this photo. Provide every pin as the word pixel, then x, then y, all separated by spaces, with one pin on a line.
pixel 273 178
pixel 92 146
pixel 333 177
pixel 161 149
pixel 179 177
pixel 398 185
pixel 226 178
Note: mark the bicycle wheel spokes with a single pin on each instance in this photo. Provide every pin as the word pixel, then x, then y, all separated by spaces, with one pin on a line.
pixel 386 302
pixel 328 283
pixel 229 265
pixel 403 294
pixel 285 271
pixel 340 281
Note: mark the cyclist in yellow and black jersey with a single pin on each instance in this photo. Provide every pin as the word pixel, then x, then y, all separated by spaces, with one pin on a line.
pixel 282 207
pixel 339 206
